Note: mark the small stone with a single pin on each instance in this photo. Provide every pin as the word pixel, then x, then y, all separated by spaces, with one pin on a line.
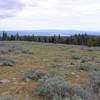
pixel 5 93
pixel 73 73
pixel 77 76
pixel 14 78
pixel 23 83
pixel 16 83
pixel 4 81
pixel 28 80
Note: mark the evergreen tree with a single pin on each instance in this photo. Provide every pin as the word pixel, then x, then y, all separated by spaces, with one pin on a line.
pixel 4 36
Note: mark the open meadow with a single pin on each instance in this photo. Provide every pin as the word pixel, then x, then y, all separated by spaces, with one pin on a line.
pixel 46 71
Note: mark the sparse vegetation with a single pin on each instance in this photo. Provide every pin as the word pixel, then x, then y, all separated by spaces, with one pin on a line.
pixel 74 56
pixel 88 66
pixel 7 61
pixel 52 87
pixel 53 73
pixel 7 98
pixel 59 74
pixel 57 65
pixel 34 74
pixel 86 93
pixel 84 60
pixel 95 80
pixel 26 52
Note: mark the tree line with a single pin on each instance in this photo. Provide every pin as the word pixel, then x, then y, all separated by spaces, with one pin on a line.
pixel 78 39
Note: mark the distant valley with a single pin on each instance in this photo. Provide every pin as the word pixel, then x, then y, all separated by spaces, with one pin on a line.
pixel 50 32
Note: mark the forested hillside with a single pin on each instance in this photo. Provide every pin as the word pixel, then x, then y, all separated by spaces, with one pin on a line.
pixel 79 39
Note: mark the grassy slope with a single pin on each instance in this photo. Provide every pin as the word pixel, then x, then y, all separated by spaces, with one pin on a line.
pixel 43 55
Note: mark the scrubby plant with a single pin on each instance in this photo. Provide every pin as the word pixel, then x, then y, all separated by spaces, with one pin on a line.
pixel 57 65
pixel 57 97
pixel 95 80
pixel 52 87
pixel 54 73
pixel 86 93
pixel 51 74
pixel 54 65
pixel 27 52
pixel 7 61
pixel 34 74
pixel 5 50
pixel 74 56
pixel 7 98
pixel 87 66
pixel 67 98
pixel 84 60
pixel 75 97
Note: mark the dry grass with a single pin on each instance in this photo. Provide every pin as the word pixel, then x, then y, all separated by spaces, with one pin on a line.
pixel 43 55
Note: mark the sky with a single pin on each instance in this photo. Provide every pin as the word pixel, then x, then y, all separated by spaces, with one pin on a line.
pixel 49 14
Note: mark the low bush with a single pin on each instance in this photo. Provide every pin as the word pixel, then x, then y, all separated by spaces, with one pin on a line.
pixel 5 50
pixel 87 66
pixel 52 87
pixel 34 74
pixel 57 89
pixel 86 92
pixel 74 56
pixel 57 65
pixel 75 97
pixel 27 52
pixel 7 61
pixel 52 74
pixel 54 65
pixel 7 98
pixel 84 60
pixel 95 80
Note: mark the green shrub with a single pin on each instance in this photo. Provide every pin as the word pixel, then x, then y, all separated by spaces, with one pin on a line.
pixel 27 52
pixel 55 65
pixel 57 97
pixel 52 87
pixel 58 65
pixel 7 61
pixel 85 93
pixel 5 50
pixel 34 74
pixel 7 98
pixel 68 98
pixel 75 97
pixel 74 56
pixel 54 73
pixel 87 66
pixel 84 60
pixel 95 80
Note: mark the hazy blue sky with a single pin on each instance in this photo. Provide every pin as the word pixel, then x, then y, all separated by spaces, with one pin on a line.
pixel 50 14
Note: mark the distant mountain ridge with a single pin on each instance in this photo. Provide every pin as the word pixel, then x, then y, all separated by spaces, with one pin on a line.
pixel 50 32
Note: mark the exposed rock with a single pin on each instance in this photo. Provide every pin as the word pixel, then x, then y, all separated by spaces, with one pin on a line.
pixel 4 81
pixel 23 83
pixel 73 73
pixel 77 76
pixel 28 80
pixel 5 93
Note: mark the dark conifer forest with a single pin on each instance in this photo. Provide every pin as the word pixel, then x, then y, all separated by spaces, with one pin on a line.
pixel 78 39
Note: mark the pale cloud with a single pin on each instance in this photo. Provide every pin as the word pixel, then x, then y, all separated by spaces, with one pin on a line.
pixel 9 8
pixel 50 14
